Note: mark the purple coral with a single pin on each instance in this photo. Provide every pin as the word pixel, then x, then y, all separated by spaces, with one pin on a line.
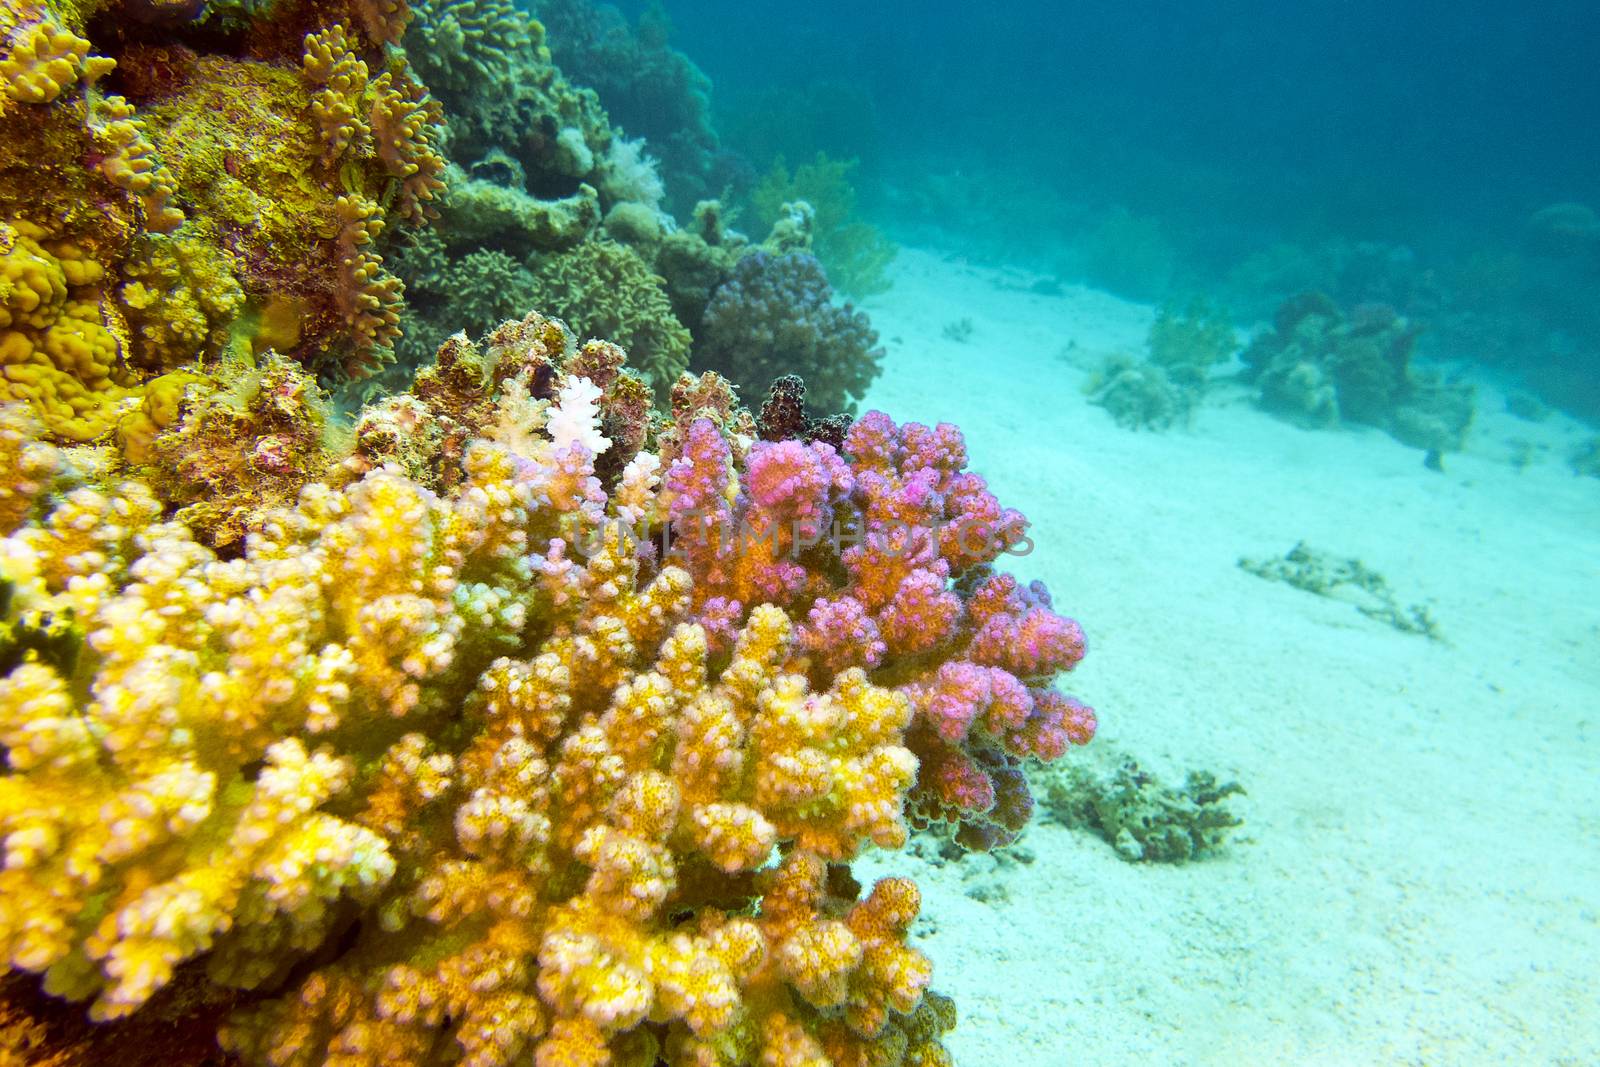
pixel 776 316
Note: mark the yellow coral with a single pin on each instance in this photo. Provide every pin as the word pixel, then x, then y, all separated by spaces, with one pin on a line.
pixel 47 60
pixel 339 78
pixel 405 121
pixel 384 20
pixel 130 162
pixel 578 837
pixel 58 349
pixel 181 297
pixel 370 297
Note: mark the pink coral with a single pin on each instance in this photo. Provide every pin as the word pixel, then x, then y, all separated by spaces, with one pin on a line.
pixel 885 550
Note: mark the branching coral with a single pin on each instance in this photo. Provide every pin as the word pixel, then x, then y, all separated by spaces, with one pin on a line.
pixel 369 297
pixel 775 316
pixel 604 289
pixel 525 762
pixel 45 60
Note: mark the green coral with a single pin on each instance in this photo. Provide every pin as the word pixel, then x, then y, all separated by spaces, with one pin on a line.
pixel 605 289
pixel 855 253
pixel 1144 819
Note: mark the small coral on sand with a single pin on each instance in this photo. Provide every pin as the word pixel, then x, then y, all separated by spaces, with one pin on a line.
pixel 1139 394
pixel 1144 819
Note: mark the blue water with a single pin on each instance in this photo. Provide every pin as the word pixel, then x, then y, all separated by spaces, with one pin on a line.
pixel 1434 130
pixel 1280 323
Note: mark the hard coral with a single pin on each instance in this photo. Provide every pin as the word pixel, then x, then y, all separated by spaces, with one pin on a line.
pixel 233 133
pixel 523 762
pixel 775 316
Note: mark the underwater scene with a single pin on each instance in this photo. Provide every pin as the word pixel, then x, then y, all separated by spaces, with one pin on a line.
pixel 551 533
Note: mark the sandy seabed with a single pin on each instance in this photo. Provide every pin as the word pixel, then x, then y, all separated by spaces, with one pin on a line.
pixel 1418 877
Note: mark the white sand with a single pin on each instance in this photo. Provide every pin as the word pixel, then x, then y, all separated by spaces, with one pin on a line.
pixel 1418 879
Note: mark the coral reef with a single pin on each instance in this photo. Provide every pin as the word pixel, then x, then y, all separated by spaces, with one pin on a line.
pixel 1319 367
pixel 1327 575
pixel 486 745
pixel 1145 820
pixel 236 444
pixel 1139 394
pixel 647 87
pixel 775 316
pixel 856 254
pixel 224 197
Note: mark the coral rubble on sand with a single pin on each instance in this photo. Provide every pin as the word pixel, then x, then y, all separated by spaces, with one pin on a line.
pixel 1327 575
pixel 1144 819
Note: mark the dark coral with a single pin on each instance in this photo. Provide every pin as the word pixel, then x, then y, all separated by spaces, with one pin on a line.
pixel 783 416
pixel 1320 366
pixel 776 316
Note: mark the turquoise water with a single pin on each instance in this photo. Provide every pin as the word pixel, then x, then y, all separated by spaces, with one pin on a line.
pixel 505 553
pixel 1413 880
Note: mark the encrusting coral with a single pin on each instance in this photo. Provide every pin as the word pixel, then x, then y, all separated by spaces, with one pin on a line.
pixel 484 749
pixel 204 163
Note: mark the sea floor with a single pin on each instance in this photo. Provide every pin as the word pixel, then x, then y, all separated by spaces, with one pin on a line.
pixel 1418 877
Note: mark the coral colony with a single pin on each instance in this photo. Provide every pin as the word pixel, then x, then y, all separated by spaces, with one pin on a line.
pixel 434 786
pixel 532 710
